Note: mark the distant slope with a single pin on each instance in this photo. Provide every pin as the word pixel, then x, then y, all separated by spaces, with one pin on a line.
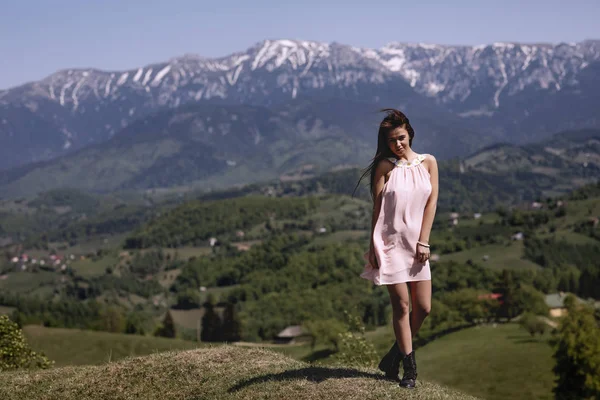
pixel 564 154
pixel 216 373
pixel 213 146
pixel 501 362
pixel 80 347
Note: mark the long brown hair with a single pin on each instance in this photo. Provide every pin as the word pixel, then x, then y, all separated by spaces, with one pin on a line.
pixel 393 120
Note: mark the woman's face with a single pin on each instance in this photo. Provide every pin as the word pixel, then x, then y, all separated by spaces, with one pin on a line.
pixel 398 141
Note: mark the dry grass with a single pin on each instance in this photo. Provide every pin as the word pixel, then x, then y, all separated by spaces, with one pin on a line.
pixel 225 372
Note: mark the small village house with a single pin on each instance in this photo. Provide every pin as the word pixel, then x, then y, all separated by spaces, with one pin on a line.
pixel 453 219
pixel 292 334
pixel 556 303
pixel 517 236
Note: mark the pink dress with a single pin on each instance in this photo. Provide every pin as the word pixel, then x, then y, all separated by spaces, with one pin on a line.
pixel 398 227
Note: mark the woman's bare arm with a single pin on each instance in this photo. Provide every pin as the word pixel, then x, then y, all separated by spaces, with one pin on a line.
pixel 431 205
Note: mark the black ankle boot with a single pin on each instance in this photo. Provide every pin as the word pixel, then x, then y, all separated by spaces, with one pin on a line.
pixel 409 378
pixel 390 363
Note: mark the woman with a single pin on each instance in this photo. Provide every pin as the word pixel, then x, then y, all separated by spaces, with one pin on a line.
pixel 404 186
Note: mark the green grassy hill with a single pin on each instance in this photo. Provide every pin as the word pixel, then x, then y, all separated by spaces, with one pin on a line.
pixel 486 361
pixel 81 347
pixel 496 256
pixel 495 363
pixel 225 372
pixel 504 362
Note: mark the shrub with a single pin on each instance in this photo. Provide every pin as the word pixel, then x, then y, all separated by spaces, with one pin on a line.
pixel 354 349
pixel 15 353
pixel 533 324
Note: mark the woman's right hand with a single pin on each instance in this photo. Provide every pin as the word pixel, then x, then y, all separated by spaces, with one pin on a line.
pixel 373 258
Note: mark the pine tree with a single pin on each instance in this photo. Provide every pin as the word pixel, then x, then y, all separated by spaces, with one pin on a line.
pixel 508 290
pixel 573 282
pixel 211 324
pixel 168 327
pixel 231 328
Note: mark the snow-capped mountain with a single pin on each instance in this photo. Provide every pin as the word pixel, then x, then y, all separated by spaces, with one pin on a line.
pixel 499 89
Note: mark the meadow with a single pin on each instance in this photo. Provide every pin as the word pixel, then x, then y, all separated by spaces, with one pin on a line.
pixel 85 347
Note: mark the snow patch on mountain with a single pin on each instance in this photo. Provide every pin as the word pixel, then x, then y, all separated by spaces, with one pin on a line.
pixel 462 78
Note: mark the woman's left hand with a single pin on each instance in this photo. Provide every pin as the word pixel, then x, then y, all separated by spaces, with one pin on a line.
pixel 423 253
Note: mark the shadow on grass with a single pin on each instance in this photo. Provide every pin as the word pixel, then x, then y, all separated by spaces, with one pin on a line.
pixel 528 340
pixel 312 374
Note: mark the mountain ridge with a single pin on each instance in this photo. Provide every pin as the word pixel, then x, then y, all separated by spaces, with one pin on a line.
pixel 498 89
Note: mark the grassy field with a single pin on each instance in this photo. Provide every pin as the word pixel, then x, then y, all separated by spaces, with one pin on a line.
pixel 88 268
pixel 77 347
pixel 570 237
pixel 30 281
pixel 492 363
pixel 500 257
pixel 98 242
pixel 581 209
pixel 187 252
pixel 225 372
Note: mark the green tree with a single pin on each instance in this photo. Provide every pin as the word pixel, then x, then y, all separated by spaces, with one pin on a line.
pixel 15 353
pixel 211 324
pixel 468 304
pixel 112 320
pixel 188 299
pixel 325 331
pixel 577 354
pixel 528 299
pixel 231 329
pixel 532 324
pixel 508 288
pixel 135 323
pixel 168 327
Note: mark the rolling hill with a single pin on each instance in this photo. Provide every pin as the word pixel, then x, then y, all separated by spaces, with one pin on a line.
pixel 212 147
pixel 216 373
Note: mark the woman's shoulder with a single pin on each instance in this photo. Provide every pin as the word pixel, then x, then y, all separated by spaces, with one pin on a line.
pixel 386 164
pixel 428 158
pixel 383 167
pixel 430 163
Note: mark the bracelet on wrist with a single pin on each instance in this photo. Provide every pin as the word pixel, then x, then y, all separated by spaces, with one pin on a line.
pixel 424 244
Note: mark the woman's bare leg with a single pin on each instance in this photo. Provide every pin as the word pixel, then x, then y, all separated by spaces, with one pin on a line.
pixel 420 295
pixel 399 298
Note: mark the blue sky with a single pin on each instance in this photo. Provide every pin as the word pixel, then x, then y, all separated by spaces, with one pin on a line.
pixel 39 37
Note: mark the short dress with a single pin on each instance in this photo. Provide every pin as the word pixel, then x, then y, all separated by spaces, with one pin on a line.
pixel 398 227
